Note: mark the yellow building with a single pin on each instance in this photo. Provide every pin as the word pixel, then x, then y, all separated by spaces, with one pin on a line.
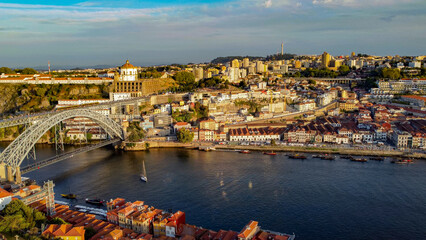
pixel 235 63
pixel 297 64
pixel 325 59
pixel 335 64
pixel 64 231
pixel 209 125
pixel 348 106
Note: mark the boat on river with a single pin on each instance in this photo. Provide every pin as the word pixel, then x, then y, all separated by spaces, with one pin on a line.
pixel 245 151
pixel 327 157
pixel 402 161
pixel 297 156
pixel 377 158
pixel 96 201
pixel 359 160
pixel 143 178
pixel 69 196
pixel 270 153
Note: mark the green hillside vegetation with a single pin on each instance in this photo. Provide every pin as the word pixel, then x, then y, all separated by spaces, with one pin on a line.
pixel 34 98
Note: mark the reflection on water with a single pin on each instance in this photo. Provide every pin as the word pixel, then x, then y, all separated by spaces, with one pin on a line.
pixel 315 199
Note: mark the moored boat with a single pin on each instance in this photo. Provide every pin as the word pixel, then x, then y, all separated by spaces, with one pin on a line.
pixel 270 153
pixel 377 158
pixel 402 161
pixel 245 151
pixel 359 160
pixel 297 156
pixel 327 157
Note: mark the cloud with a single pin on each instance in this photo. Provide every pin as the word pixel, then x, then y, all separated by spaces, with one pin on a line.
pixel 358 3
pixel 267 3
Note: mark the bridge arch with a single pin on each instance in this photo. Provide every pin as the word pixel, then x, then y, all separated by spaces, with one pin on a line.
pixel 16 152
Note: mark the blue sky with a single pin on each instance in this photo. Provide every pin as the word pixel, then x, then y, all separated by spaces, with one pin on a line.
pixel 87 33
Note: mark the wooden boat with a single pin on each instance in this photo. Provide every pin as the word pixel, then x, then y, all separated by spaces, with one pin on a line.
pixel 359 160
pixel 270 153
pixel 95 201
pixel 297 156
pixel 245 151
pixel 402 161
pixel 327 157
pixel 69 196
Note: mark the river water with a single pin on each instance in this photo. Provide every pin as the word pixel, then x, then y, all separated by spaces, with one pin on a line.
pixel 313 198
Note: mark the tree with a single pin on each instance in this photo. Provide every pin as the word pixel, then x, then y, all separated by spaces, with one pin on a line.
pixel 185 136
pixel 185 80
pixel 28 71
pixel 6 70
pixel 344 70
pixel 56 220
pixel 390 73
pixel 242 84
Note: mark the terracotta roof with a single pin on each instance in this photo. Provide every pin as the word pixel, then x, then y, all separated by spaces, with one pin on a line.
pixel 248 229
pixel 127 65
pixel 4 193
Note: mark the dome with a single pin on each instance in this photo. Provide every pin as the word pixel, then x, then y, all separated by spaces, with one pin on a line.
pixel 127 65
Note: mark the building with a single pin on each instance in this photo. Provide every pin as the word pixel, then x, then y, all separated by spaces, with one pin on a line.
pixel 246 62
pixel 162 120
pixel 128 72
pixel 198 73
pixel 179 125
pixel 64 231
pixel 325 59
pixel 249 231
pixel 235 63
pixel 254 134
pixel 117 96
pixel 209 124
pixel 416 100
pixel 305 106
pixel 5 198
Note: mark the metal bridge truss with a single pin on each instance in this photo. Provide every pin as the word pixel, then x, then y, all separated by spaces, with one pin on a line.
pixel 16 152
pixel 37 117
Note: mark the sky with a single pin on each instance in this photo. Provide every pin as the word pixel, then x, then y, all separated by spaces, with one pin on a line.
pixel 153 32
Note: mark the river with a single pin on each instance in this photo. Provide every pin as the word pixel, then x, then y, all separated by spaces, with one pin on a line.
pixel 315 199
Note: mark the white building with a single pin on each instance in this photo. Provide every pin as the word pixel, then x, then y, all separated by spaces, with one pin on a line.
pixel 5 198
pixel 117 96
pixel 305 106
pixel 415 64
pixel 128 72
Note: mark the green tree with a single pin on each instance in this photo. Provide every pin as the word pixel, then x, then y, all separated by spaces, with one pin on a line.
pixel 6 70
pixel 344 70
pixel 28 71
pixel 391 73
pixel 185 80
pixel 56 220
pixel 185 136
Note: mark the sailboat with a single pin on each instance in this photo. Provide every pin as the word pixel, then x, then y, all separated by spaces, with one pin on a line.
pixel 143 175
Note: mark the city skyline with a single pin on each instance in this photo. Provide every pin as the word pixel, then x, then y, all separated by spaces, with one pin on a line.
pixel 77 33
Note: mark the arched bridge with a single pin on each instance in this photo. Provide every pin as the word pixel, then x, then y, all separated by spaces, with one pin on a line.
pixel 12 157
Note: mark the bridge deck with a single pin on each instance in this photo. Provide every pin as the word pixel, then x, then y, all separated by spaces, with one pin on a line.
pixel 64 156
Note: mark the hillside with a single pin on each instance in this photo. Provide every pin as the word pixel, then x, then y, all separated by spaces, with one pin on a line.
pixel 33 98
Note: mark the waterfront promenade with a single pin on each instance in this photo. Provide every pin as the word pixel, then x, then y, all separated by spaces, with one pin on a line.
pixel 330 149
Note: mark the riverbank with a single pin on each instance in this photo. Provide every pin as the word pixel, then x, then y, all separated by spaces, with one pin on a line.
pixel 326 150
pixel 341 151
